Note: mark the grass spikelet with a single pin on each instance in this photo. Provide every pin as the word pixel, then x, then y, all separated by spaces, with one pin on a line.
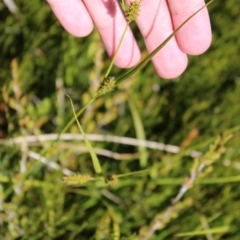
pixel 78 179
pixel 132 12
pixel 106 86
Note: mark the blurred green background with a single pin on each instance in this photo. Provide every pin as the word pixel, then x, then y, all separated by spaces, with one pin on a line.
pixel 40 63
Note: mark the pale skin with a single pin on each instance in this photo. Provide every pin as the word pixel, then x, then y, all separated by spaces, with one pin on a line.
pixel 156 21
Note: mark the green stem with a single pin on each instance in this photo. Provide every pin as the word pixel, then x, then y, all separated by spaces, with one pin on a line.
pixel 96 164
pixel 131 173
pixel 139 129
pixel 72 120
pixel 115 54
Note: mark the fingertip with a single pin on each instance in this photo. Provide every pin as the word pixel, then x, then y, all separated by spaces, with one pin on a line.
pixel 198 46
pixel 79 30
pixel 73 16
pixel 170 65
pixel 195 36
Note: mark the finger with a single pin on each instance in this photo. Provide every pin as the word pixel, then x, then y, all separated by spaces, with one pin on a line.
pixel 110 22
pixel 154 22
pixel 73 16
pixel 195 36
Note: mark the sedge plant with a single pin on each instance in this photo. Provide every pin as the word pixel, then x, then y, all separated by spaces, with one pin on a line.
pixel 108 85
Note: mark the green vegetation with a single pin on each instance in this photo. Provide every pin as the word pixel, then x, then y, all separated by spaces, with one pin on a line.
pixel 191 187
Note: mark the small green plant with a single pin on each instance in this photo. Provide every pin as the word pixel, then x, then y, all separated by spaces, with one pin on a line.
pixel 109 83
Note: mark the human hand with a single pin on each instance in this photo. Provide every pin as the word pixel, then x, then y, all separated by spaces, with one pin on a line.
pixel 157 19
